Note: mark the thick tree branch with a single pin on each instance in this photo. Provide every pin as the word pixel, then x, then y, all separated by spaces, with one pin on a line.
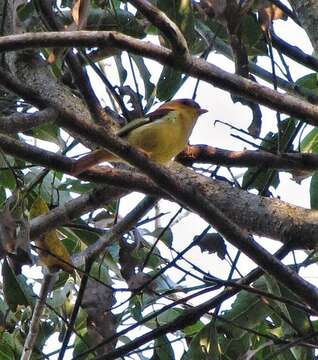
pixel 246 158
pixel 73 209
pixel 182 189
pixel 165 25
pixel 295 53
pixel 258 215
pixel 307 13
pixel 195 67
pixel 116 232
pixel 20 122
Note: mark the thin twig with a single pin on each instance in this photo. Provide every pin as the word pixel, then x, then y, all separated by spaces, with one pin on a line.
pixel 46 287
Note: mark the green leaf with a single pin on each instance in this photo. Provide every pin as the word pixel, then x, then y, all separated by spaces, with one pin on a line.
pixel 48 187
pixel 181 12
pixel 15 288
pixel 135 307
pixel 76 186
pixel 101 272
pixel 122 72
pixel 193 329
pixel 257 178
pixel 164 318
pixel 163 349
pixel 169 83
pixel 252 36
pixel 248 309
pixel 310 142
pixel 60 295
pixel 145 75
pixel 47 132
pixel 281 308
pixel 166 235
pixel 79 236
pixel 118 20
pixel 3 195
pixel 309 81
pixel 313 190
pixel 204 345
pixel 80 345
pixel 7 178
pixel 7 347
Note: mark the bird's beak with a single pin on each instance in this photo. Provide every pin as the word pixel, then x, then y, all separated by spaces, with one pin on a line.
pixel 202 111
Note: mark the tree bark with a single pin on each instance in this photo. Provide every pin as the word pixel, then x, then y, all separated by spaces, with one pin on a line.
pixel 307 12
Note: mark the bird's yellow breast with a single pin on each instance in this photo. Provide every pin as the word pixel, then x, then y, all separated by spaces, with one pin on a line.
pixel 164 138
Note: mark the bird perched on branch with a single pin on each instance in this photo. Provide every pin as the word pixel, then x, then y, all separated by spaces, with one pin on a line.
pixel 161 134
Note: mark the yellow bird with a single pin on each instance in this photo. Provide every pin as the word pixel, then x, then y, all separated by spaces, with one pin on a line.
pixel 161 134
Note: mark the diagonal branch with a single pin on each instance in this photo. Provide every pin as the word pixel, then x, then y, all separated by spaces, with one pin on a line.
pixel 189 316
pixel 33 333
pixel 182 189
pixel 165 25
pixel 73 209
pixel 258 215
pixel 192 66
pixel 246 158
pixel 20 122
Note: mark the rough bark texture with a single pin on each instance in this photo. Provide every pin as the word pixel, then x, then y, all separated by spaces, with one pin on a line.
pixel 307 12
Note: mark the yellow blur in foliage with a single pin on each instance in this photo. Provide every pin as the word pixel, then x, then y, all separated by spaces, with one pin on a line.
pixel 50 243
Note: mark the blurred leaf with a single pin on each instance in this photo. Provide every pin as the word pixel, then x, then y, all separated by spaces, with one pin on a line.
pixel 49 187
pixel 162 349
pixel 253 37
pixel 101 272
pixel 80 345
pixel 313 190
pixel 108 20
pixel 310 142
pixel 204 345
pixel 47 132
pixel 52 251
pixel 166 235
pixel 135 307
pixel 297 317
pixel 7 178
pixel 274 288
pixel 309 81
pixel 112 263
pixel 256 177
pixel 25 11
pixel 248 309
pixel 7 347
pixel 154 259
pixel 164 318
pixel 15 288
pixel 192 330
pixel 3 195
pixel 213 243
pixel 122 72
pixel 181 12
pixel 169 83
pixel 60 295
pixel 145 75
pixel 76 186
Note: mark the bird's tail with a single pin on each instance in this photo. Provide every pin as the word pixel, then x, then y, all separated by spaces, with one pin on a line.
pixel 91 159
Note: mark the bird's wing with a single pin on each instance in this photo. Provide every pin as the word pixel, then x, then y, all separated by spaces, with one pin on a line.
pixel 150 117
